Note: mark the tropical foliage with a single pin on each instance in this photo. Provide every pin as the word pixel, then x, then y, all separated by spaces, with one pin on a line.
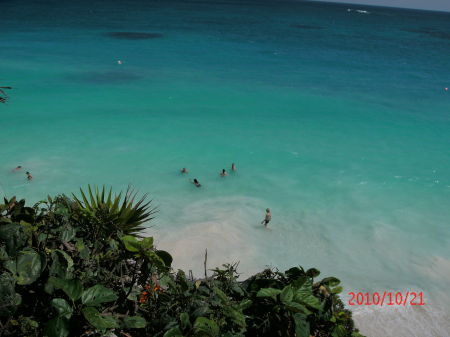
pixel 77 267
pixel 106 215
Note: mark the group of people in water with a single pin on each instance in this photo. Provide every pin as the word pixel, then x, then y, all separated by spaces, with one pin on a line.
pixel 224 173
pixel 19 168
pixel 195 181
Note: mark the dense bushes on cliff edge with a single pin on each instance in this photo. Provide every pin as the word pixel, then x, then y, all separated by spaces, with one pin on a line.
pixel 78 267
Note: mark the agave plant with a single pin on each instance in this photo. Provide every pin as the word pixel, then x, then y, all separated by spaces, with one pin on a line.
pixel 3 95
pixel 110 214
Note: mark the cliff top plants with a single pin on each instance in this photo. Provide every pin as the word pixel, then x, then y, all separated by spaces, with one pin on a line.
pixel 79 266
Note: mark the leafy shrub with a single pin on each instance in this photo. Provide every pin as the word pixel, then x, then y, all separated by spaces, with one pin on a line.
pixel 78 267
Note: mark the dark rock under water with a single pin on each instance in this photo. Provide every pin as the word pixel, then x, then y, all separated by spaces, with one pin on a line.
pixel 133 35
pixel 104 77
pixel 306 26
pixel 430 32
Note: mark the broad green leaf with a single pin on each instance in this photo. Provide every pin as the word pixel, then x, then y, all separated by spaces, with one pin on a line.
pixel 236 287
pixel 268 292
pixel 131 243
pixel 27 267
pixel 67 233
pixel 295 273
pixel 221 295
pixel 73 288
pixel 165 281
pixel 133 322
pixel 97 294
pixel 165 256
pixel 184 321
pixel 339 331
pixel 82 248
pixel 174 332
pixel 244 304
pixel 202 310
pixel 205 327
pixel 287 294
pixel 154 259
pixel 146 243
pixel 304 295
pixel 62 264
pixel 63 308
pixel 297 283
pixel 113 244
pixel 236 316
pixel 302 328
pixel 99 321
pixel 313 272
pixel 13 237
pixel 337 290
pixel 57 327
pixel 342 315
pixel 330 281
pixel 297 307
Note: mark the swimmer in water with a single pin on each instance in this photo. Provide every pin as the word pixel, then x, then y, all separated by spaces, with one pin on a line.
pixel 184 170
pixel 17 168
pixel 195 182
pixel 233 167
pixel 267 219
pixel 29 176
pixel 223 173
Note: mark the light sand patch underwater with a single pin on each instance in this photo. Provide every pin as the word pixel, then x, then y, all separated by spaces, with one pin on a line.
pixel 424 321
pixel 225 231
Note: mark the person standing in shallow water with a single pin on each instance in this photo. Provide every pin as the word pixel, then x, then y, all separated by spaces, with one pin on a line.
pixel 233 167
pixel 223 173
pixel 29 176
pixel 267 219
pixel 184 170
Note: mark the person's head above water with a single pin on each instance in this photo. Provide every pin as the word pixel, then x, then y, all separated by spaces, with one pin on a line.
pixel 223 171
pixel 27 172
pixel 195 181
pixel 267 210
pixel 19 167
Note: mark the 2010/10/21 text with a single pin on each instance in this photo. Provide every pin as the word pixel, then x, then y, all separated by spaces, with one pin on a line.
pixel 386 298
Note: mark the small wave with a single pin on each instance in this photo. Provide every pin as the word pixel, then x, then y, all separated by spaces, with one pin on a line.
pixel 360 11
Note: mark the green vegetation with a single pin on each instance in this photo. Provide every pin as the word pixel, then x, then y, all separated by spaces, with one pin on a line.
pixel 78 267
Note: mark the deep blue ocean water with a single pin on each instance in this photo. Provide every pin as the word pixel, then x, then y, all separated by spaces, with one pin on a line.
pixel 337 120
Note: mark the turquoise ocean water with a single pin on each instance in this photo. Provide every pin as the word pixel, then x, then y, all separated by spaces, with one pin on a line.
pixel 337 120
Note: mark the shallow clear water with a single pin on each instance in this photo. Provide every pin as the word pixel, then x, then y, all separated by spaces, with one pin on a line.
pixel 337 120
